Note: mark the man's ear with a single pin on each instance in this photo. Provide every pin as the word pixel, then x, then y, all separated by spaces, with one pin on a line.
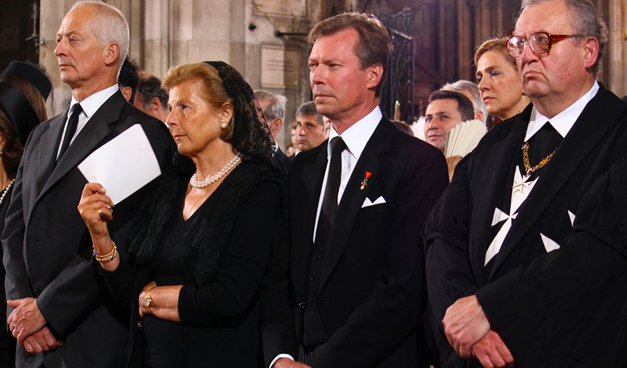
pixel 591 49
pixel 112 52
pixel 155 104
pixel 127 92
pixel 274 126
pixel 375 73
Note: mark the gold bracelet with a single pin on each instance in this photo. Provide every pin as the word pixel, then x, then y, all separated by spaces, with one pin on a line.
pixel 148 300
pixel 106 258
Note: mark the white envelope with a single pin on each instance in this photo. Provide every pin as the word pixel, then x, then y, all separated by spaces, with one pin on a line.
pixel 368 203
pixel 123 165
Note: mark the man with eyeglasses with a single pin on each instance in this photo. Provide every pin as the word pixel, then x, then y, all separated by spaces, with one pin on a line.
pixel 518 196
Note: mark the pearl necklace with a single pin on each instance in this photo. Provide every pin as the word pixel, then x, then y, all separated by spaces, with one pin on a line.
pixel 212 179
pixel 5 191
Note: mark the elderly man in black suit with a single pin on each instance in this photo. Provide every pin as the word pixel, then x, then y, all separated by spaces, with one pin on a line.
pixel 517 196
pixel 58 315
pixel 355 209
pixel 273 109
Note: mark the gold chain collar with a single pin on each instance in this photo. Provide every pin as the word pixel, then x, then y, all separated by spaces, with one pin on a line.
pixel 528 169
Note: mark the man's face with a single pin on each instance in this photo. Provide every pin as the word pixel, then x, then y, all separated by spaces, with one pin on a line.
pixel 441 116
pixel 80 55
pixel 560 70
pixel 275 124
pixel 309 132
pixel 338 83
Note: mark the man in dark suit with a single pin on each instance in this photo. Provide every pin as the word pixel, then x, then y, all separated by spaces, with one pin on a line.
pixel 59 316
pixel 273 109
pixel 516 197
pixel 355 209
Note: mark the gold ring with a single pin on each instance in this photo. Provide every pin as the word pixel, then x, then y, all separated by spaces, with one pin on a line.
pixel 100 213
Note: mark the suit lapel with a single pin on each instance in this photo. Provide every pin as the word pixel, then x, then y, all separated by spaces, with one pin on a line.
pixel 497 164
pixel 589 129
pixel 306 205
pixel 354 196
pixel 47 147
pixel 86 141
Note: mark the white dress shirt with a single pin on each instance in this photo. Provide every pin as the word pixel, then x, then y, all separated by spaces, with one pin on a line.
pixel 563 121
pixel 356 137
pixel 89 105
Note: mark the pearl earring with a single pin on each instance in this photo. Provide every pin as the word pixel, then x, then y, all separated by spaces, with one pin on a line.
pixel 225 125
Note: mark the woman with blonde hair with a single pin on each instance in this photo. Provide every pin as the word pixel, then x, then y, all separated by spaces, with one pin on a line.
pixel 498 79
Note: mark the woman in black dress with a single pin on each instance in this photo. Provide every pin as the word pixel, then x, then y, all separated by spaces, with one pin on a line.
pixel 24 88
pixel 193 266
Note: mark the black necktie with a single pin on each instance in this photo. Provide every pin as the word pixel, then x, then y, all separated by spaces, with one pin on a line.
pixel 542 144
pixel 71 129
pixel 329 202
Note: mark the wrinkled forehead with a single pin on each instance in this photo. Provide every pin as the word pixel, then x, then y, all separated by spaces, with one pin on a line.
pixel 552 17
pixel 308 119
pixel 77 20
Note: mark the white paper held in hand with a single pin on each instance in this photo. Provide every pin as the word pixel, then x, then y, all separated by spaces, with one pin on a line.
pixel 123 165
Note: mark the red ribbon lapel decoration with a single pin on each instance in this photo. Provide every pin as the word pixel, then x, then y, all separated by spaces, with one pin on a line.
pixel 364 183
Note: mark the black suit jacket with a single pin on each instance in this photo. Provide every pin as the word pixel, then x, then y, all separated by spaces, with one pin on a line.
pixel 459 230
pixel 47 248
pixel 570 305
pixel 281 162
pixel 370 295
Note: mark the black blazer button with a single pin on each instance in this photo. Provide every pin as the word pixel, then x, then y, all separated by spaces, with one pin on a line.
pixel 302 305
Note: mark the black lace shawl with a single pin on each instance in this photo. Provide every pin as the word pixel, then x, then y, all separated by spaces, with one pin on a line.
pixel 209 232
pixel 251 137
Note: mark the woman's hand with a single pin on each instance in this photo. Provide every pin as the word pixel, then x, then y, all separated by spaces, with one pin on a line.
pixel 164 301
pixel 95 209
pixel 143 311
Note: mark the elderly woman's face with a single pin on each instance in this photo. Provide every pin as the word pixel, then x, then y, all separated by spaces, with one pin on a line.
pixel 193 123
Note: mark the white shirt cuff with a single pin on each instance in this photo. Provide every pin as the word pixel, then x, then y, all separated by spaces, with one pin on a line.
pixel 279 357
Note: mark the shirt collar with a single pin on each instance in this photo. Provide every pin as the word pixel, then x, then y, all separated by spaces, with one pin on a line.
pixel 563 121
pixel 358 134
pixel 92 103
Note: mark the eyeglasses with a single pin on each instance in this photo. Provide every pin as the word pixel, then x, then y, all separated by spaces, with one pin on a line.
pixel 540 43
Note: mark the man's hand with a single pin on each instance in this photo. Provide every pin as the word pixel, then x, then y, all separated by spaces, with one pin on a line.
pixel 288 363
pixel 492 352
pixel 42 340
pixel 465 324
pixel 25 319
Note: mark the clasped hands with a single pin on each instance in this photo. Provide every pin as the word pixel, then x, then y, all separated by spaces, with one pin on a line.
pixel 28 326
pixel 468 331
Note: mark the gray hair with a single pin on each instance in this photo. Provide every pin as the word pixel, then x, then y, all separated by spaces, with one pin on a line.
pixel 462 86
pixel 109 25
pixel 585 21
pixel 276 104
pixel 309 108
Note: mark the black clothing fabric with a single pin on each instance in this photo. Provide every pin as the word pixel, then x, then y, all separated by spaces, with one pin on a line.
pixel 70 129
pixel 281 162
pixel 369 294
pixel 7 342
pixel 459 229
pixel 47 247
pixel 220 266
pixel 568 308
